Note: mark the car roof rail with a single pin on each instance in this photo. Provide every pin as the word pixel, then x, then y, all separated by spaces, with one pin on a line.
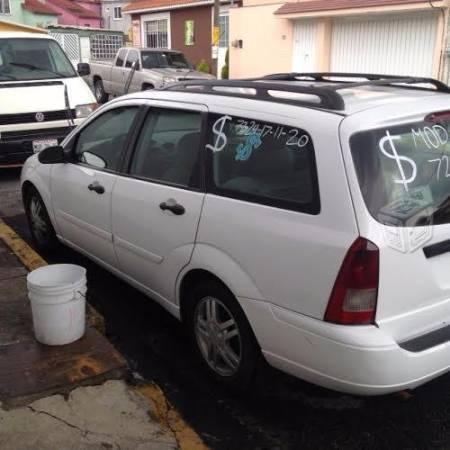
pixel 262 89
pixel 270 87
pixel 369 80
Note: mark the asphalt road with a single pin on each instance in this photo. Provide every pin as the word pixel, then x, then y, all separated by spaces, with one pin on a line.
pixel 279 412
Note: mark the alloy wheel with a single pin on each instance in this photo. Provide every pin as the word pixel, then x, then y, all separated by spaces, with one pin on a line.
pixel 38 220
pixel 98 92
pixel 218 336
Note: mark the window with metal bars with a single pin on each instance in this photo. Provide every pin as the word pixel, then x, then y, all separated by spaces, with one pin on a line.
pixel 105 46
pixel 117 12
pixel 156 32
pixel 223 28
pixel 5 7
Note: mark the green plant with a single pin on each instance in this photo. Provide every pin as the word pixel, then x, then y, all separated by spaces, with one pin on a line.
pixel 203 66
pixel 226 68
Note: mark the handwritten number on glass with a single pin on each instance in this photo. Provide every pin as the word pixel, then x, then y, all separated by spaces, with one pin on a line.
pixel 439 164
pixel 245 128
pixel 250 130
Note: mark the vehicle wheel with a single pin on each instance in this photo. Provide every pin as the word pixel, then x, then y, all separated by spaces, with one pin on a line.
pixel 99 92
pixel 41 228
pixel 222 335
pixel 147 87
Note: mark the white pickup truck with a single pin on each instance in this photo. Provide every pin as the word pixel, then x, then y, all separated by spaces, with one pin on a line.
pixel 137 69
pixel 42 97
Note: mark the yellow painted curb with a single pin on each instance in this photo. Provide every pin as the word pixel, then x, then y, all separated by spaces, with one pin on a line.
pixel 32 260
pixel 29 258
pixel 186 437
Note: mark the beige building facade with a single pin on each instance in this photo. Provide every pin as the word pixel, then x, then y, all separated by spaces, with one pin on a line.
pixel 404 37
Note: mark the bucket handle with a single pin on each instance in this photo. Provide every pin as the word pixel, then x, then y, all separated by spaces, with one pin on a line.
pixel 81 294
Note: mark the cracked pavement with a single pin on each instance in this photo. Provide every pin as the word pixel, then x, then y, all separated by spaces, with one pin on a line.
pixel 109 416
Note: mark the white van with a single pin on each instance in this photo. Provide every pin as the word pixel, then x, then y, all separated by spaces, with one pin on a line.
pixel 42 97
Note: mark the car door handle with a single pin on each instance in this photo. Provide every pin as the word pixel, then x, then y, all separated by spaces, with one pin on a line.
pixel 97 187
pixel 173 206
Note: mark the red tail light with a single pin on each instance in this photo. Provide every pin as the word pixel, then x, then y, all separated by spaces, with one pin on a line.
pixel 353 300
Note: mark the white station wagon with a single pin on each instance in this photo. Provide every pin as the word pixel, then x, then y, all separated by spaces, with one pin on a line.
pixel 301 217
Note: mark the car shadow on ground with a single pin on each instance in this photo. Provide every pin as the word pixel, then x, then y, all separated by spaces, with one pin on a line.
pixel 278 411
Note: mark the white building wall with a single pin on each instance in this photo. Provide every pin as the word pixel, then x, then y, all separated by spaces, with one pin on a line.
pixel 109 22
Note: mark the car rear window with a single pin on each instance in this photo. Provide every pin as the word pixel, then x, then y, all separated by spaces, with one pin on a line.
pixel 263 162
pixel 404 172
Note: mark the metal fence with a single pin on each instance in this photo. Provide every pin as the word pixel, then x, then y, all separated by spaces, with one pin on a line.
pixel 105 46
pixel 70 44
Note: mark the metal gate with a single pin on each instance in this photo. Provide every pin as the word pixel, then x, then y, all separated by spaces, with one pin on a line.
pixel 105 46
pixel 304 57
pixel 387 44
pixel 70 44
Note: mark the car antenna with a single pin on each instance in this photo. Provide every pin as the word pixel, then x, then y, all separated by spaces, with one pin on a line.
pixel 69 112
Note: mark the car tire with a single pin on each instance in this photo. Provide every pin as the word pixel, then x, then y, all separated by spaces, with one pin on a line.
pixel 41 228
pixel 231 360
pixel 147 87
pixel 99 91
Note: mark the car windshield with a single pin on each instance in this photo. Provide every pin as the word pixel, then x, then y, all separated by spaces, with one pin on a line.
pixel 164 60
pixel 33 59
pixel 404 172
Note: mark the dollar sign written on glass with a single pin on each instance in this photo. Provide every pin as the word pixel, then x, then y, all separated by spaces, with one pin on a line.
pixel 220 140
pixel 388 141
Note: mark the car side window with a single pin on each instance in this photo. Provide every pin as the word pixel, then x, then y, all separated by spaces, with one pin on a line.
pixel 263 163
pixel 121 57
pixel 149 60
pixel 132 57
pixel 168 147
pixel 101 143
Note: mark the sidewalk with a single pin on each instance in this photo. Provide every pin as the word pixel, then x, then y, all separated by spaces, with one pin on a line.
pixel 106 417
pixel 72 396
pixel 29 370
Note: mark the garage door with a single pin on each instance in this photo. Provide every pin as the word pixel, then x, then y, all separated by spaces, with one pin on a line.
pixel 304 58
pixel 388 45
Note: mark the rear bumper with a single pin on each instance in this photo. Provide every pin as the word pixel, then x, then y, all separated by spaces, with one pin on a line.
pixel 361 360
pixel 17 145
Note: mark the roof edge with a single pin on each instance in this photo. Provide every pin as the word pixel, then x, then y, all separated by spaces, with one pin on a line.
pixel 128 9
pixel 308 11
pixel 24 27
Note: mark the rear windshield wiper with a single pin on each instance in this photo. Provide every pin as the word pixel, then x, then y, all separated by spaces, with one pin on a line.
pixel 33 67
pixel 440 248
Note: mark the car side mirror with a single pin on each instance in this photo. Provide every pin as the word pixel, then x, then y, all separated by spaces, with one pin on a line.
pixel 83 69
pixel 52 155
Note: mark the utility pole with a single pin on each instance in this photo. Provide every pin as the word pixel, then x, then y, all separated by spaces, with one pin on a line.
pixel 215 36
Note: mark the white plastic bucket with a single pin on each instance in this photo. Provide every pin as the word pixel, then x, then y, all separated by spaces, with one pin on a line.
pixel 57 295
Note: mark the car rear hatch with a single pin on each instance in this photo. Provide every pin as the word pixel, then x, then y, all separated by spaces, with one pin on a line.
pixel 397 159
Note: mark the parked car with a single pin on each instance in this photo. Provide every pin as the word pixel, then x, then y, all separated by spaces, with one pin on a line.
pixel 140 69
pixel 42 97
pixel 301 218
